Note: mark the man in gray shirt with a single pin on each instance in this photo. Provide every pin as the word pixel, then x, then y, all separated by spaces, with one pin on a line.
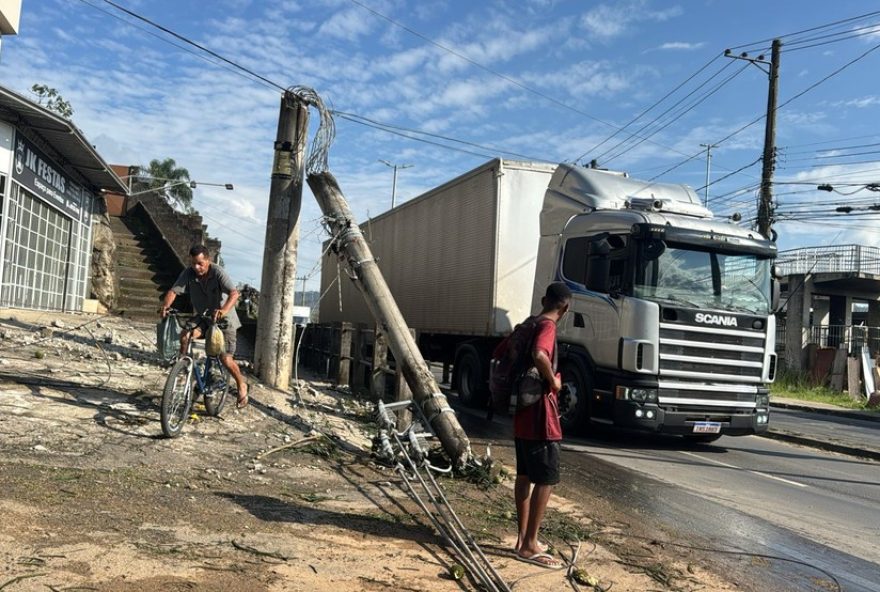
pixel 211 292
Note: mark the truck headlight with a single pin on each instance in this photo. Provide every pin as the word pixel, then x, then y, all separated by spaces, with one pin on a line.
pixel 762 401
pixel 639 395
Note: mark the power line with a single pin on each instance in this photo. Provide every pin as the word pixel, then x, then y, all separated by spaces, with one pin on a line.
pixel 816 28
pixel 678 115
pixel 660 116
pixel 367 121
pixel 730 174
pixel 495 73
pixel 831 141
pixel 251 75
pixel 841 36
pixel 194 44
pixel 640 115
pixel 832 149
pixel 761 117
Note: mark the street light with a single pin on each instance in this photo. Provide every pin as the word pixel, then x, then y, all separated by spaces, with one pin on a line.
pixel 192 184
pixel 394 181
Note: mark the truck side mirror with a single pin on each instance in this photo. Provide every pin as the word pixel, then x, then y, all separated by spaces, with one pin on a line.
pixel 598 265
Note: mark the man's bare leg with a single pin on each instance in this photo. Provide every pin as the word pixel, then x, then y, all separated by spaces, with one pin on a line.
pixel 522 489
pixel 537 505
pixel 233 368
pixel 186 337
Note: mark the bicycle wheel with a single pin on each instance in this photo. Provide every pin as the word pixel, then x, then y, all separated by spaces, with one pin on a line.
pixel 216 388
pixel 176 399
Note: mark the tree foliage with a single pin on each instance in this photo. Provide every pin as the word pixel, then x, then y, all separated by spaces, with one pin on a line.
pixel 52 100
pixel 169 180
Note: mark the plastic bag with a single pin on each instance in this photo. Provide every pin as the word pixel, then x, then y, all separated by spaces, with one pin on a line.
pixel 168 338
pixel 215 343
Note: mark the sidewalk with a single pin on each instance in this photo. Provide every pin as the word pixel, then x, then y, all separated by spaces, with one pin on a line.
pixel 824 426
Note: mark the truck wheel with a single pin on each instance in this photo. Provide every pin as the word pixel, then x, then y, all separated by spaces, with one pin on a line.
pixel 574 408
pixel 469 377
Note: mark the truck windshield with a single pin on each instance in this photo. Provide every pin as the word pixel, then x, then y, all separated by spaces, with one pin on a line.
pixel 705 279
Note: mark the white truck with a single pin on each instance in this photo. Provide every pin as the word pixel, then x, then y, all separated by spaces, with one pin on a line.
pixel 670 329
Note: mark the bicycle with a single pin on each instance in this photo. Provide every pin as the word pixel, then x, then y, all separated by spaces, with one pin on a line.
pixel 211 381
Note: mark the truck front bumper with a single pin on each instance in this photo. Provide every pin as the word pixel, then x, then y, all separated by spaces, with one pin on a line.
pixel 650 417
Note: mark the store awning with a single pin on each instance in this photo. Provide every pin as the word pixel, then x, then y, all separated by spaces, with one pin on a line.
pixel 64 138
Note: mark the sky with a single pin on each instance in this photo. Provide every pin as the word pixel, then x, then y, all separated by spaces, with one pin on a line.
pixel 548 80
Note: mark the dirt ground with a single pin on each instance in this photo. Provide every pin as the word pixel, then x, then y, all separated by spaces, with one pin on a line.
pixel 93 498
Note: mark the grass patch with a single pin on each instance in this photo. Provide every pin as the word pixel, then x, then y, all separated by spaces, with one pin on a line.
pixel 793 386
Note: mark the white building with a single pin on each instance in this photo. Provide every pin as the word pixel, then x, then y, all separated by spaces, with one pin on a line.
pixel 50 183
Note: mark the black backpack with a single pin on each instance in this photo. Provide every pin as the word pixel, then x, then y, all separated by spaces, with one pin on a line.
pixel 511 360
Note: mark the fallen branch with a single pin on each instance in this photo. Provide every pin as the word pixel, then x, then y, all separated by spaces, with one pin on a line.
pixel 20 578
pixel 249 549
pixel 300 442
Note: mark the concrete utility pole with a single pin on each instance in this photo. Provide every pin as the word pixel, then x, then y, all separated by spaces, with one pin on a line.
pixel 765 207
pixel 765 203
pixel 356 252
pixel 394 178
pixel 708 148
pixel 273 354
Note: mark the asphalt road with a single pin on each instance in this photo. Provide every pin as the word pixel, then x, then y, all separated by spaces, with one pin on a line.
pixel 812 509
pixel 832 429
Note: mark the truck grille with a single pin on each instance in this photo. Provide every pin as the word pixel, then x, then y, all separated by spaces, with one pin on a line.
pixel 709 368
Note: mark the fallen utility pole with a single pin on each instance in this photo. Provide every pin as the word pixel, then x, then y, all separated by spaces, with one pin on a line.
pixel 351 247
pixel 273 353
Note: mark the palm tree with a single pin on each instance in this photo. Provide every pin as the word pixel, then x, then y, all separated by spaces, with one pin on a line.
pixel 170 181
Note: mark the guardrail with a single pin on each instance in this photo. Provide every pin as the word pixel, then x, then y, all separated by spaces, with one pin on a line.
pixel 836 259
pixel 356 356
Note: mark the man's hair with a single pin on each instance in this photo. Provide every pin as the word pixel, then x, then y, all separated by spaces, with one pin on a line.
pixel 197 250
pixel 557 296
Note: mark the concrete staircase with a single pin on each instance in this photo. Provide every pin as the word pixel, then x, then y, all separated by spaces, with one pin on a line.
pixel 145 267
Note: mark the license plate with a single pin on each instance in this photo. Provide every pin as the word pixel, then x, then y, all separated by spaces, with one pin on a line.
pixel 707 427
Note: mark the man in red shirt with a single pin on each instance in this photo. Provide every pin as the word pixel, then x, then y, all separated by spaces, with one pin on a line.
pixel 537 434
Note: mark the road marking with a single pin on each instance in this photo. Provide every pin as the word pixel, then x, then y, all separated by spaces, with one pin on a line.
pixel 724 464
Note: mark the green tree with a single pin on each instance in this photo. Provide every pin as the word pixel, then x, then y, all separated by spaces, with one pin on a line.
pixel 169 180
pixel 53 100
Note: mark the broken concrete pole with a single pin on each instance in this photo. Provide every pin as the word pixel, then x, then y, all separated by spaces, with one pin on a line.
pixel 354 250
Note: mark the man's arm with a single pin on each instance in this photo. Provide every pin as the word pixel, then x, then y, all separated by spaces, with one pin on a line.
pixel 169 299
pixel 228 288
pixel 179 287
pixel 231 299
pixel 545 368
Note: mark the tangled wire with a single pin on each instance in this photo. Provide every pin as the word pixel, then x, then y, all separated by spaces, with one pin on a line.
pixel 319 153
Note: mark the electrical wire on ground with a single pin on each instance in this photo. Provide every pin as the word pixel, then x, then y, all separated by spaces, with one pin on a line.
pixel 406 450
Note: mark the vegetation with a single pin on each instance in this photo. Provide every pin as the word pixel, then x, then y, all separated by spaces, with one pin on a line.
pixel 798 386
pixel 53 100
pixel 169 180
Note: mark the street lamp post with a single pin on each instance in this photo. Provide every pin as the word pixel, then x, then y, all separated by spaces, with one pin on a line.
pixel 708 148
pixel 394 179
pixel 192 184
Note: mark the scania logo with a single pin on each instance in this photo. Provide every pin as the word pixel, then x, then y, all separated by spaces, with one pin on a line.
pixel 713 319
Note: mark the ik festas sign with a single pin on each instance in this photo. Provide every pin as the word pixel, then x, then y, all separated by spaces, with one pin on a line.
pixel 34 171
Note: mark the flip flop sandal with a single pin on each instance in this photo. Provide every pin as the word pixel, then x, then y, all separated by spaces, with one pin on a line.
pixel 549 562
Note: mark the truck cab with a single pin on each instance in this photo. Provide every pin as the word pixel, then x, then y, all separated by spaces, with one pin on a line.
pixel 670 328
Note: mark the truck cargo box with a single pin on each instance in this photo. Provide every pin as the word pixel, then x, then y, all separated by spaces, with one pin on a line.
pixel 459 259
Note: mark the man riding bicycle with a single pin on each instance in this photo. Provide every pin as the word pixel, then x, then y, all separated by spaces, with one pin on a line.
pixel 210 289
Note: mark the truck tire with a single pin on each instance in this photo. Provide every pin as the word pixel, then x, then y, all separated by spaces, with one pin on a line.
pixel 470 379
pixel 574 418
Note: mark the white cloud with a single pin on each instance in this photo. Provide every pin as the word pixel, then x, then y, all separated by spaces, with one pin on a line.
pixel 859 103
pixel 681 45
pixel 347 25
pixel 605 22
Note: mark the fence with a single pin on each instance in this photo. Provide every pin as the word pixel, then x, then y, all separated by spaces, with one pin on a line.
pixel 852 337
pixel 837 259
pixel 354 356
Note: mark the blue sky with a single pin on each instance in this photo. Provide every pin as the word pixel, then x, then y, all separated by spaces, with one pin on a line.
pixel 542 79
